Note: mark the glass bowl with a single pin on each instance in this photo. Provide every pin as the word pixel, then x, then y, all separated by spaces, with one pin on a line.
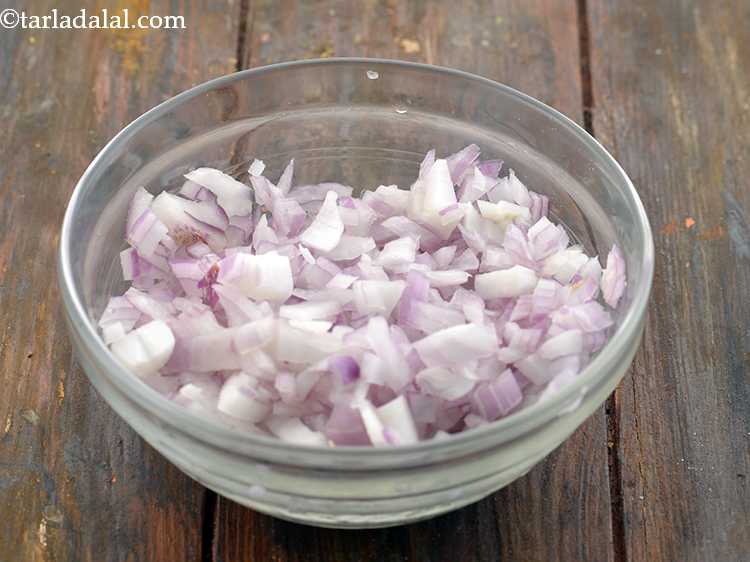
pixel 361 122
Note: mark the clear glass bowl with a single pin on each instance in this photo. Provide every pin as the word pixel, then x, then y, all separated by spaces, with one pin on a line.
pixel 361 122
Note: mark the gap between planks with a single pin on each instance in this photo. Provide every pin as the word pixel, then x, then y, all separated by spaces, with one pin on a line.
pixel 244 34
pixel 612 408
pixel 208 531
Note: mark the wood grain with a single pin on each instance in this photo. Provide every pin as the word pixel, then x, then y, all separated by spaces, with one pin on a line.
pixel 76 483
pixel 671 91
pixel 560 511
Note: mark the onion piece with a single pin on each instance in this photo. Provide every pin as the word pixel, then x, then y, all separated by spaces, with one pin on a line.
pixel 145 350
pixel 256 168
pixel 345 427
pixel 566 343
pixel 431 196
pixel 497 398
pixel 294 345
pixel 613 278
pixel 510 189
pixel 324 233
pixel 546 238
pixel 450 278
pixel 564 264
pixel 513 282
pixel 397 252
pixel 292 430
pixel 284 184
pixel 399 426
pixel 266 277
pixel 456 345
pixel 233 196
pixel 239 398
pixel 462 161
pixel 351 247
pixel 443 383
pixel 377 297
pixel 503 213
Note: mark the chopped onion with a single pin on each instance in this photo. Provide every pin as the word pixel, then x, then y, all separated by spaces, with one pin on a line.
pixel 503 213
pixel 444 383
pixel 504 283
pixel 145 350
pixel 240 399
pixel 324 319
pixel 293 430
pixel 256 168
pixel 324 233
pixel 377 297
pixel 233 196
pixel 262 277
pixel 497 398
pixel 456 345
pixel 613 278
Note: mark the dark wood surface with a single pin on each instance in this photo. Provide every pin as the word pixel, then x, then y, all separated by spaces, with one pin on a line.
pixel 659 474
pixel 671 92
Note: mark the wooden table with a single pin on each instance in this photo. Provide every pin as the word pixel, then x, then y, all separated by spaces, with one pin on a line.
pixel 661 473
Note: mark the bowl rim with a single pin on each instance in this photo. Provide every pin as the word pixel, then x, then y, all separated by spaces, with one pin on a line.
pixel 200 427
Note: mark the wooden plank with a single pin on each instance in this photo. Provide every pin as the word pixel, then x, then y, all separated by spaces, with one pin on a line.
pixel 671 91
pixel 560 511
pixel 76 483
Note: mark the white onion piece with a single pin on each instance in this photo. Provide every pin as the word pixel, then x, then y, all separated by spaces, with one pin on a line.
pixel 444 383
pixel 433 195
pixel 341 281
pixel 139 204
pixel 113 332
pixel 351 247
pixel 397 252
pixel 503 213
pixel 239 398
pixel 233 196
pixel 476 186
pixel 374 427
pixel 504 283
pixel 397 199
pixel 510 189
pixel 285 181
pixel 397 371
pixel 256 168
pixel 613 278
pixel 377 297
pixel 299 346
pixel 564 264
pixel 324 233
pixel 265 277
pixel 292 430
pixel 456 345
pixel 429 318
pixel 566 343
pixel 399 427
pixel 145 350
pixel 449 278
